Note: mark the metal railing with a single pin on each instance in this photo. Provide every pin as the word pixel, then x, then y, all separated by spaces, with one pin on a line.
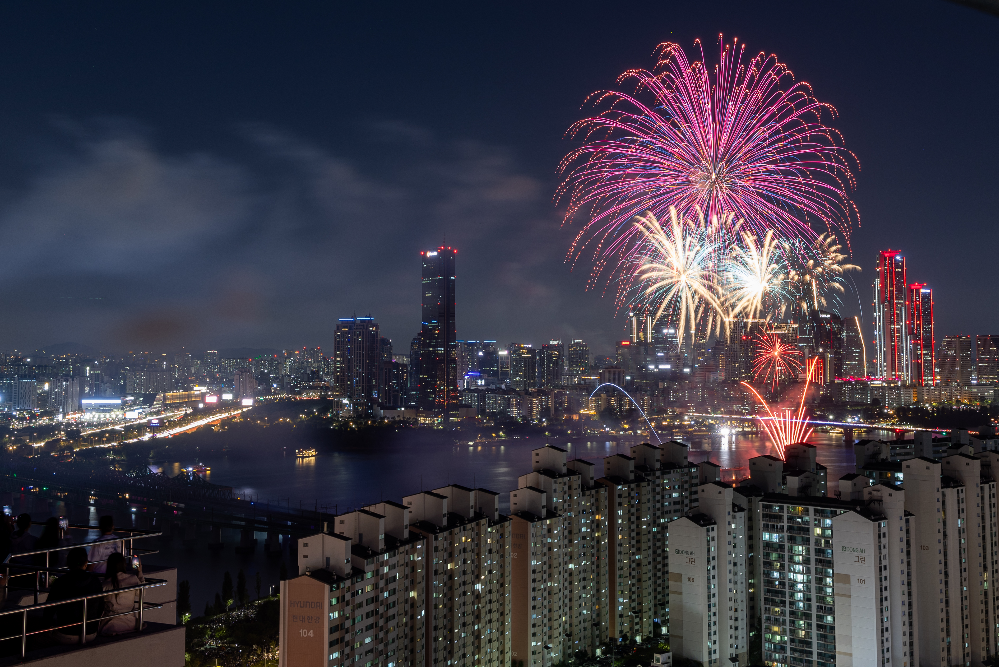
pixel 24 611
pixel 22 566
pixel 15 559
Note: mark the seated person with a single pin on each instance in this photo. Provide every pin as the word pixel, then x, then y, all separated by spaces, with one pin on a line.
pixel 22 540
pixel 99 552
pixel 74 584
pixel 119 574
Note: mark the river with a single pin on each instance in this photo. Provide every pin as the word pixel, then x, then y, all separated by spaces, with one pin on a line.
pixel 337 481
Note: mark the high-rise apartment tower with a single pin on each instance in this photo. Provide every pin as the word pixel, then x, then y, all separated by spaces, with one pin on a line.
pixel 891 347
pixel 920 327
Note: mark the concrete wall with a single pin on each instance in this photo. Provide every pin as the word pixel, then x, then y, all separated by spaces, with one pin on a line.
pixel 157 646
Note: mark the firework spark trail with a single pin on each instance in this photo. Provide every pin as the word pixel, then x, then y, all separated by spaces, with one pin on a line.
pixel 783 427
pixel 673 273
pixel 817 272
pixel 752 143
pixel 774 359
pixel 754 278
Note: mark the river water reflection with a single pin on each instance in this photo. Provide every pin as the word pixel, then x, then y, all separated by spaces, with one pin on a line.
pixel 338 481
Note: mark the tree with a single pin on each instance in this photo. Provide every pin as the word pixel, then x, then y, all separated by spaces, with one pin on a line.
pixel 219 607
pixel 209 609
pixel 241 587
pixel 184 599
pixel 257 585
pixel 227 589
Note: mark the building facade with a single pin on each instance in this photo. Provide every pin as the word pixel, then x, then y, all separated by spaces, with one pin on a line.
pixel 891 343
pixel 438 372
pixel 708 580
pixel 920 326
pixel 358 362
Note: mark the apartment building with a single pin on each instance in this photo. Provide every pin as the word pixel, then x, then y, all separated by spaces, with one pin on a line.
pixel 955 502
pixel 590 557
pixel 467 575
pixel 576 545
pixel 708 580
pixel 537 601
pixel 874 594
pixel 444 579
pixel 358 595
pixel 796 537
pixel 403 585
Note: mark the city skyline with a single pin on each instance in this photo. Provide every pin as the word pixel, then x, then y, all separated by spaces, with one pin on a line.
pixel 248 221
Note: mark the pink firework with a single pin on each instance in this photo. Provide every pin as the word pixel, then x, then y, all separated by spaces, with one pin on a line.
pixel 743 141
pixel 782 425
pixel 774 360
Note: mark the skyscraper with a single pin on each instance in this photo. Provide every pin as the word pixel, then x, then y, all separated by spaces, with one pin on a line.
pixel 413 372
pixel 828 342
pixel 358 361
pixel 244 384
pixel 740 348
pixel 956 360
pixel 986 359
pixel 438 382
pixel 549 361
pixel 523 375
pixel 855 358
pixel 489 363
pixel 920 327
pixel 891 346
pixel 578 359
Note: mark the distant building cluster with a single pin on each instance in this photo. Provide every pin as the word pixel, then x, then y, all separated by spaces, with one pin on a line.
pixel 441 377
pixel 906 350
pixel 898 567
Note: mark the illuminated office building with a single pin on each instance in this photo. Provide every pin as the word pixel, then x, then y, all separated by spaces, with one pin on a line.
pixel 828 343
pixel 438 380
pixel 578 358
pixel 549 363
pixel 357 362
pixel 522 359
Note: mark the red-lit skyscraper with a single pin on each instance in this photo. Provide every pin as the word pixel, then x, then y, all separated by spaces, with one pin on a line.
pixel 437 387
pixel 920 326
pixel 891 342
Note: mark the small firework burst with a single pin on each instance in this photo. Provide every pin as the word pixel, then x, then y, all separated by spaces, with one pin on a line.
pixel 783 426
pixel 774 360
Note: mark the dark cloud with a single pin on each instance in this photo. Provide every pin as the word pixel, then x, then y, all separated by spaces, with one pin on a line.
pixel 271 247
pixel 179 177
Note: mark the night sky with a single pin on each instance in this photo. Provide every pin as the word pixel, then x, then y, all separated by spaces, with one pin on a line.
pixel 220 175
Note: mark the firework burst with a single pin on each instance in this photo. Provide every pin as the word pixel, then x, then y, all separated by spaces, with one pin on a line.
pixel 673 272
pixel 774 360
pixel 754 278
pixel 782 425
pixel 740 139
pixel 817 273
